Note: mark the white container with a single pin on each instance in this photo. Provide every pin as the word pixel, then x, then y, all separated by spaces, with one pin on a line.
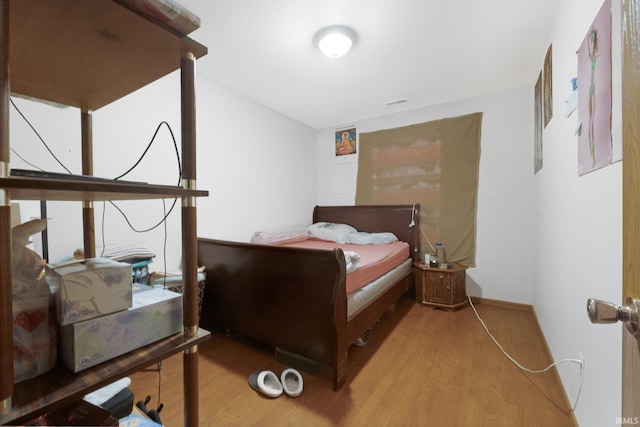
pixel 442 262
pixel 155 314
pixel 89 288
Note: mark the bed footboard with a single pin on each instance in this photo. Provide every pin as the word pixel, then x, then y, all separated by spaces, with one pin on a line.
pixel 295 299
pixel 290 298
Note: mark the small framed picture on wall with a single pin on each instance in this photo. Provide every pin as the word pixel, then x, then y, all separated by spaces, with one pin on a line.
pixel 537 99
pixel 345 141
pixel 548 86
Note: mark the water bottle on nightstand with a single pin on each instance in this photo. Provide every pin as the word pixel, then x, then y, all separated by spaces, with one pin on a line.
pixel 440 255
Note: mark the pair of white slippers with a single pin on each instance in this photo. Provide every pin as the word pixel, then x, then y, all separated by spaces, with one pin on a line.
pixel 267 382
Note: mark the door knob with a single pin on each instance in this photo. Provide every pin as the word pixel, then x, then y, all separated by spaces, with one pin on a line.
pixel 605 312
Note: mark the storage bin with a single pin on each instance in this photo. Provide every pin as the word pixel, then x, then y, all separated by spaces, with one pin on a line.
pixel 174 283
pixel 140 272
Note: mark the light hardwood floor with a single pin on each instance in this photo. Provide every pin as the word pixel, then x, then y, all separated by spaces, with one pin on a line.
pixel 423 367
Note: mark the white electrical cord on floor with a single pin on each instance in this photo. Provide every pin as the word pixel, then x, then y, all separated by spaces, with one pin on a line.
pixel 579 362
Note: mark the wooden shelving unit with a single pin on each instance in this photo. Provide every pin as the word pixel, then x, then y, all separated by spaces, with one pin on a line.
pixel 60 386
pixel 88 54
pixel 23 188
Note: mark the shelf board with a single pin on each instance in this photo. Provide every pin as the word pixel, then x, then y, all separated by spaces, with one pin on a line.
pixel 61 386
pixel 101 53
pixel 29 188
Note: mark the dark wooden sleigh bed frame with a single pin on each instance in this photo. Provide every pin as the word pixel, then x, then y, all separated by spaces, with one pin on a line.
pixel 295 299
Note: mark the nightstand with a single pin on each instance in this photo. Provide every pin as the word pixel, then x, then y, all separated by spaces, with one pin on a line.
pixel 440 287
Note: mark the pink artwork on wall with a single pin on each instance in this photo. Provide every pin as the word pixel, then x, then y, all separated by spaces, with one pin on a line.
pixel 594 94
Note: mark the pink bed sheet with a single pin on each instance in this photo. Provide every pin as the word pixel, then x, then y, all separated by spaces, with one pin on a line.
pixel 375 260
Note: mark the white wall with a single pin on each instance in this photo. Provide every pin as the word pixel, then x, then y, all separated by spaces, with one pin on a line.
pixel 578 245
pixel 260 166
pixel 504 261
pixel 257 165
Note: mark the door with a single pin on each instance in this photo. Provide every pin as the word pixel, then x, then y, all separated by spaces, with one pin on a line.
pixel 629 312
pixel 630 197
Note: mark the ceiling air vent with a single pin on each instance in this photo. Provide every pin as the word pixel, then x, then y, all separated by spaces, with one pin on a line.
pixel 395 102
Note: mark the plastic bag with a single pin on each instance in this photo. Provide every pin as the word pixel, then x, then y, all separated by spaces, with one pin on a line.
pixel 34 324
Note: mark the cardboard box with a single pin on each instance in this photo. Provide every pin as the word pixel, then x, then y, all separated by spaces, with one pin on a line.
pixel 85 289
pixel 155 314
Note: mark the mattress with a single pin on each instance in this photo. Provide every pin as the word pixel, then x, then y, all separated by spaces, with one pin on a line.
pixel 375 260
pixel 357 300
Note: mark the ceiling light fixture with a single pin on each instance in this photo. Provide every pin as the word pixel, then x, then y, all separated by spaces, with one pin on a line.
pixel 335 41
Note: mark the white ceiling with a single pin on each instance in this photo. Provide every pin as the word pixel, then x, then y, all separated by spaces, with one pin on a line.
pixel 427 51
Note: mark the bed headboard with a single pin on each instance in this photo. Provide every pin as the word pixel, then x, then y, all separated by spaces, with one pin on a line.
pixel 401 220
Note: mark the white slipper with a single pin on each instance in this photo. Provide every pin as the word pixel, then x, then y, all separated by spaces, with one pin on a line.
pixel 265 382
pixel 291 382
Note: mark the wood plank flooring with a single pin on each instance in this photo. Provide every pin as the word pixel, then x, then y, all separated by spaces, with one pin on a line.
pixel 422 367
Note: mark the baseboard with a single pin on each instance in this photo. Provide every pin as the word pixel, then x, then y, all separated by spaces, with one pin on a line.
pixel 503 304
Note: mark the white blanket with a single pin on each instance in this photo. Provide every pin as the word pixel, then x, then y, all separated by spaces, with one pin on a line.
pixel 353 261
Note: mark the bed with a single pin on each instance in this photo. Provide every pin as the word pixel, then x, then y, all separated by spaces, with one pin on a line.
pixel 295 299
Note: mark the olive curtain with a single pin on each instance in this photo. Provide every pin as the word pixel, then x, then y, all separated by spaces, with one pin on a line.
pixel 435 164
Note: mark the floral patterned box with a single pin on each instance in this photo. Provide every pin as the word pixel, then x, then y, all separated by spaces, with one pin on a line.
pixel 154 314
pixel 89 288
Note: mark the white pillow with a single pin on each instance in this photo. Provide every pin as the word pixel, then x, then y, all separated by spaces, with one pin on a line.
pixel 123 251
pixel 363 238
pixel 280 236
pixel 330 231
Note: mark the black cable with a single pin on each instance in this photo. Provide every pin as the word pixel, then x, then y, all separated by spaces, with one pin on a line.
pixel 175 145
pixel 38 135
pixel 164 218
pixel 24 160
pixel 159 385
pixel 144 153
